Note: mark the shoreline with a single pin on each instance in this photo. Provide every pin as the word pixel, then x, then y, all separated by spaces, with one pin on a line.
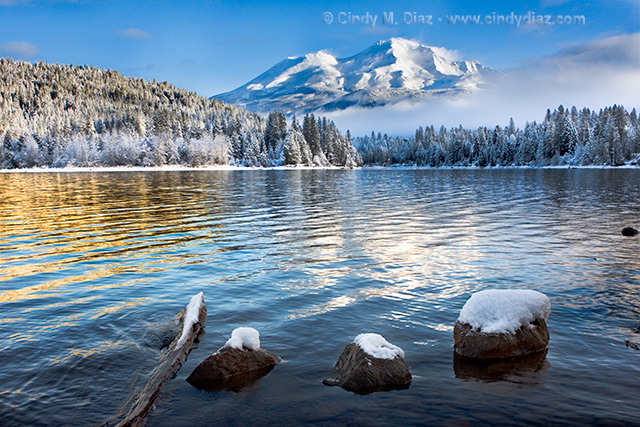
pixel 180 168
pixel 167 168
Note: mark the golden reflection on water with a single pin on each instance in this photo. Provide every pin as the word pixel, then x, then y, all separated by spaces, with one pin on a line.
pixel 56 326
pixel 61 304
pixel 67 239
pixel 129 304
pixel 119 285
pixel 33 292
pixel 18 337
pixel 54 222
pixel 102 347
pixel 12 320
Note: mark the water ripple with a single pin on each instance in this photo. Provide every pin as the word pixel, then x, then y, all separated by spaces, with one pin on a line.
pixel 94 267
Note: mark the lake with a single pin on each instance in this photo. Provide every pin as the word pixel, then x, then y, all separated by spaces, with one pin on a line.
pixel 94 267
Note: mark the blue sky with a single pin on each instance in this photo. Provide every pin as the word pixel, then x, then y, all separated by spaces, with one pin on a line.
pixel 214 46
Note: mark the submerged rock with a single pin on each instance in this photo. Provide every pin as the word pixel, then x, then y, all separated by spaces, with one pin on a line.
pixel 371 364
pixel 499 324
pixel 530 368
pixel 237 364
pixel 629 231
pixel 632 344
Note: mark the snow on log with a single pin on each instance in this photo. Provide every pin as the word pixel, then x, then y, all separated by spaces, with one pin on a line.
pixel 193 319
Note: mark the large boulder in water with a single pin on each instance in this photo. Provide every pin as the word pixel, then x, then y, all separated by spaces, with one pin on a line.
pixel 528 339
pixel 369 364
pixel 498 324
pixel 238 363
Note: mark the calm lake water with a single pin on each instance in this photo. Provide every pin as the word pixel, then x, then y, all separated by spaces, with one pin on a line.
pixel 94 267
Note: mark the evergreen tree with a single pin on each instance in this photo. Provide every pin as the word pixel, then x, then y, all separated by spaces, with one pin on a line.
pixel 293 147
pixel 312 136
pixel 276 130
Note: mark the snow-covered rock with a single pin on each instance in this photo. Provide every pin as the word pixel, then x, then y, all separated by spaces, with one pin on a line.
pixel 495 324
pixel 387 72
pixel 244 338
pixel 369 364
pixel 238 363
pixel 376 346
pixel 504 310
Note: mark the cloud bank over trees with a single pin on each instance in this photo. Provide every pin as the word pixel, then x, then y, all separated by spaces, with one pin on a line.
pixel 596 74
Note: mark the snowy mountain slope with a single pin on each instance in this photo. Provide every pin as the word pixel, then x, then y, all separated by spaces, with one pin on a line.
pixel 387 72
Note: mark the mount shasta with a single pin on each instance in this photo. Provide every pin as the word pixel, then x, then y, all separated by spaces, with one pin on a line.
pixel 387 72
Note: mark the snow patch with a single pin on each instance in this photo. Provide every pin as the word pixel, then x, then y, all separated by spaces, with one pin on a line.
pixel 375 345
pixel 504 311
pixel 190 317
pixel 244 337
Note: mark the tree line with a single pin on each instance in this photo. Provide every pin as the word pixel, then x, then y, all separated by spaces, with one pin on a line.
pixel 565 137
pixel 54 115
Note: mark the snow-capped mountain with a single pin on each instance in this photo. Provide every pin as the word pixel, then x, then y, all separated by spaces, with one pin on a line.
pixel 387 72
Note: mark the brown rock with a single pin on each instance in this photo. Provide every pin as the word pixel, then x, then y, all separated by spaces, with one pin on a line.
pixel 629 231
pixel 232 369
pixel 477 344
pixel 362 373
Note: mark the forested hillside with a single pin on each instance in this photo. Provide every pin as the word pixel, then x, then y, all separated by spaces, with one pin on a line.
pixel 565 137
pixel 59 115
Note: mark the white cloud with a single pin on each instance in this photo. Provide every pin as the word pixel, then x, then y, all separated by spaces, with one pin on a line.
pixel 594 75
pixel 19 50
pixel 134 33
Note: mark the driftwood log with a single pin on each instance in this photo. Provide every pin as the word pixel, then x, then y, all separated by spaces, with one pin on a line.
pixel 170 363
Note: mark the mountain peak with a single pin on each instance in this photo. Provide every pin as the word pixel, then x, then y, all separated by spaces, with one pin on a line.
pixel 386 72
pixel 398 42
pixel 403 43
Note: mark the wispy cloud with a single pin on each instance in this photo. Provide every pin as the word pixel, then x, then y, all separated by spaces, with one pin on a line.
pixel 134 33
pixel 595 75
pixel 19 50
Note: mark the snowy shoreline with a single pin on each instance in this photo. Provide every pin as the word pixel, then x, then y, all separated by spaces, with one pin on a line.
pixel 409 167
pixel 168 168
pixel 179 168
